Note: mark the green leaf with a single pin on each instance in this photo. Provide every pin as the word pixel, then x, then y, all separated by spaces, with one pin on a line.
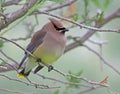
pixel 106 3
pixel 76 17
pixel 99 17
pixel 56 92
pixel 102 4
pixel 2 1
pixel 36 19
pixel 74 80
pixel 1 8
pixel 97 2
pixel 57 1
pixel 2 63
pixel 86 8
pixel 1 43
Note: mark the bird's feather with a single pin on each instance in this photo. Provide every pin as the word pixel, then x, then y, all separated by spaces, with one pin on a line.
pixel 35 42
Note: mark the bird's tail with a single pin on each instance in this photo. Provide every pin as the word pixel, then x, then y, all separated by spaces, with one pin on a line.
pixel 23 74
pixel 22 61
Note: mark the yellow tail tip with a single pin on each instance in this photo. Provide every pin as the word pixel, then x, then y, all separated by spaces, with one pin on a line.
pixel 21 76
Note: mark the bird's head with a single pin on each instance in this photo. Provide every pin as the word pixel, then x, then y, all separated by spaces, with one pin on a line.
pixel 58 25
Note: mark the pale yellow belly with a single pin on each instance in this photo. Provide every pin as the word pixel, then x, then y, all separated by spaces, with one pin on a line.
pixel 48 55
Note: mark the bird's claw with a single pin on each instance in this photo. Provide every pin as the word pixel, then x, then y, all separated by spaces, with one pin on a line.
pixel 38 60
pixel 50 67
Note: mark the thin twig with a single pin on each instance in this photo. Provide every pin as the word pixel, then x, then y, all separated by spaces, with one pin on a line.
pixel 4 67
pixel 103 59
pixel 10 2
pixel 88 89
pixel 29 84
pixel 63 82
pixel 61 5
pixel 10 91
pixel 82 78
pixel 18 46
pixel 8 57
pixel 76 23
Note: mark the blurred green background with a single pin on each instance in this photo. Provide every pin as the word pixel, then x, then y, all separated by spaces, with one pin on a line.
pixel 78 59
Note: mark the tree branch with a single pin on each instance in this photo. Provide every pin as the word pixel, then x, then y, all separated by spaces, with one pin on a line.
pixel 29 83
pixel 11 17
pixel 103 59
pixel 85 37
pixel 88 90
pixel 96 28
pixel 67 3
pixel 10 91
pixel 10 2
pixel 112 16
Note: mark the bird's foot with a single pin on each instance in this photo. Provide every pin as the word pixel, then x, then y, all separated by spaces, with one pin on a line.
pixel 38 60
pixel 50 68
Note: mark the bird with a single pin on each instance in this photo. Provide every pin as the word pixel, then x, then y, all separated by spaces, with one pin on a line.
pixel 47 44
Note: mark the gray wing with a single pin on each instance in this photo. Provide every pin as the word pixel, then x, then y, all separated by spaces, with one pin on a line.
pixel 35 42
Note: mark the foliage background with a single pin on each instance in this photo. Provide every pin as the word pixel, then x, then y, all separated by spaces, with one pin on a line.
pixel 78 59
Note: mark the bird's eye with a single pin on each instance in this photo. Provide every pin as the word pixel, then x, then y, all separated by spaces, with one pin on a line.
pixel 63 30
pixel 56 27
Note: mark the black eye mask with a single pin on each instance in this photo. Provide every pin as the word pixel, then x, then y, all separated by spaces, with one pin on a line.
pixel 63 30
pixel 58 28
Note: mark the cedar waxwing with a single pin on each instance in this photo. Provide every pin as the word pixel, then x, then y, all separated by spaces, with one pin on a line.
pixel 48 44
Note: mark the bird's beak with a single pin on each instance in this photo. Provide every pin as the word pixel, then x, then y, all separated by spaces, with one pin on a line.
pixel 65 29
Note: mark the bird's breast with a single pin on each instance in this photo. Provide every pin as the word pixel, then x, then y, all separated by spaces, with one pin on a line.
pixel 49 51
